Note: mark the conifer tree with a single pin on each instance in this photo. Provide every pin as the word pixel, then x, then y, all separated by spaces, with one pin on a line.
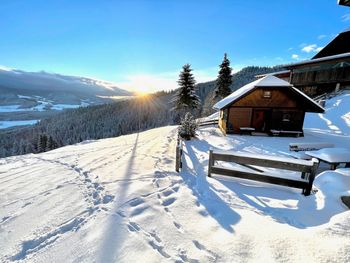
pixel 186 98
pixel 42 144
pixel 51 144
pixel 224 80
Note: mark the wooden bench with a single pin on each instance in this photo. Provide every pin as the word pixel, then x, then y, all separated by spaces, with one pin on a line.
pixel 246 130
pixel 250 161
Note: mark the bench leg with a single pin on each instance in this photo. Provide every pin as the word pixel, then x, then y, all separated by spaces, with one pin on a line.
pixel 334 166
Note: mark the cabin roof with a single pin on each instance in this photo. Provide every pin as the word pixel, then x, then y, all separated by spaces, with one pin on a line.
pixel 344 2
pixel 267 81
pixel 313 61
pixel 339 45
pixel 338 48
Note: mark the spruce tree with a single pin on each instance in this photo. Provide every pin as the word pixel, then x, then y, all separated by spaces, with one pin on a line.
pixel 224 80
pixel 42 144
pixel 186 97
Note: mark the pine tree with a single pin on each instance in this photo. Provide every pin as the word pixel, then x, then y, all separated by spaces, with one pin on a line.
pixel 42 144
pixel 51 144
pixel 224 80
pixel 186 98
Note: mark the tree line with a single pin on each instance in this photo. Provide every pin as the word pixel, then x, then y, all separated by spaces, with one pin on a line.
pixel 128 116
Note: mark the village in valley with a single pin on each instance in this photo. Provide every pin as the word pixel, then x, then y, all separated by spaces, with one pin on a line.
pixel 255 173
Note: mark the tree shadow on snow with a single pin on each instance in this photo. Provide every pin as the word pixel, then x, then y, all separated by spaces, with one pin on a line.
pixel 206 196
pixel 112 239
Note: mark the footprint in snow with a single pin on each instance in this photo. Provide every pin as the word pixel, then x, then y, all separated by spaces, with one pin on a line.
pixel 168 201
pixel 137 201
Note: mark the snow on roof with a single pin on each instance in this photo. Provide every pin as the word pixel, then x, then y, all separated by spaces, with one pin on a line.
pixel 267 81
pixel 343 55
pixel 308 98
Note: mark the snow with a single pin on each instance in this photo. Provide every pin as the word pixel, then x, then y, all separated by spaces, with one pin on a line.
pixel 119 200
pixel 8 124
pixel 67 106
pixel 332 155
pixel 43 105
pixel 10 108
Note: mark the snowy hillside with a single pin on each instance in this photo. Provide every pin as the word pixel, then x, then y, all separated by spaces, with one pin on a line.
pixel 119 200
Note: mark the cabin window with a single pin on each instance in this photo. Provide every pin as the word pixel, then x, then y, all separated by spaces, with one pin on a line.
pixel 267 94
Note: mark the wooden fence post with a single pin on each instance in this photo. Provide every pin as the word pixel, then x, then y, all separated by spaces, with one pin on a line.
pixel 211 162
pixel 177 160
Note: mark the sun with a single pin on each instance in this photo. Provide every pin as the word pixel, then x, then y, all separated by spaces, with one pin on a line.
pixel 142 91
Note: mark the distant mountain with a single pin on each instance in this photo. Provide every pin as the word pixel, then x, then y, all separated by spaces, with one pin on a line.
pixel 48 84
pixel 31 96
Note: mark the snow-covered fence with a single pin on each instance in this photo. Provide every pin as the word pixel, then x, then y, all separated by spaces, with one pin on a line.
pixel 178 162
pixel 307 168
pixel 208 122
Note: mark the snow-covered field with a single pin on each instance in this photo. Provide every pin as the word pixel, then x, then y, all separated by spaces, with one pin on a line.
pixel 119 200
pixel 8 124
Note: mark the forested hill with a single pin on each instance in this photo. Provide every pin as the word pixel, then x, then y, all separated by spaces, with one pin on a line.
pixel 110 120
pixel 239 79
pixel 88 123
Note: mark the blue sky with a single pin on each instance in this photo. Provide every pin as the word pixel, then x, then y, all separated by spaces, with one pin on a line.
pixel 143 44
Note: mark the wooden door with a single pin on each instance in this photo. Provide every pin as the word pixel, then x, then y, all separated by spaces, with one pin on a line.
pixel 260 120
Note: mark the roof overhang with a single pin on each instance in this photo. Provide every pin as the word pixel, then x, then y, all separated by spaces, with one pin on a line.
pixel 344 2
pixel 318 60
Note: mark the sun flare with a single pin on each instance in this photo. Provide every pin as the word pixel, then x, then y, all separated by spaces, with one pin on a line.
pixel 142 91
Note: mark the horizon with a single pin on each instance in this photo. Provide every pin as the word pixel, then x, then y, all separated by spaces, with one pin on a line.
pixel 142 46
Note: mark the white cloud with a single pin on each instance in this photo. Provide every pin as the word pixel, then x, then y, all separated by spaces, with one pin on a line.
pixel 321 36
pixel 345 17
pixel 295 56
pixel 311 48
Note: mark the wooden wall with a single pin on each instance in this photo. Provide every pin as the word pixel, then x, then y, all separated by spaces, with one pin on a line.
pixel 239 117
pixel 278 99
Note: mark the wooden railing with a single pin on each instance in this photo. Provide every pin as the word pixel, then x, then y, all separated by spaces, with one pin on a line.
pixel 207 123
pixel 307 168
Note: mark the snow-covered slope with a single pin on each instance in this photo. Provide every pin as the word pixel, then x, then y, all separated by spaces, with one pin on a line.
pixel 119 200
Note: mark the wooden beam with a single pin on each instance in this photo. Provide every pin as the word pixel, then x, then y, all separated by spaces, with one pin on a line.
pixel 303 166
pixel 259 177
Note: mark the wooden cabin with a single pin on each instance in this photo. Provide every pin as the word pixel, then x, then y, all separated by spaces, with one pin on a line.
pixel 268 105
